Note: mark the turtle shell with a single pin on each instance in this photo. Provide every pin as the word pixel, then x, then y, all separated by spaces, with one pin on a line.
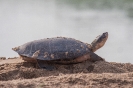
pixel 54 48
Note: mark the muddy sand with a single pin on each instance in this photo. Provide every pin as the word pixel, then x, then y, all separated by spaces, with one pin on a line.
pixel 15 73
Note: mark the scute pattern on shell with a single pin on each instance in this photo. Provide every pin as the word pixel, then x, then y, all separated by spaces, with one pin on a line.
pixel 54 48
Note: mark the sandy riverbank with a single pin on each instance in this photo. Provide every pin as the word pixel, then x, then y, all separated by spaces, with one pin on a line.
pixel 15 73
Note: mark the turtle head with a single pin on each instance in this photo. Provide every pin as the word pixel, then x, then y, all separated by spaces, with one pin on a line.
pixel 99 41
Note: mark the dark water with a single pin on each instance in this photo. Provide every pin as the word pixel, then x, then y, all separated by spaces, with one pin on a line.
pixel 23 21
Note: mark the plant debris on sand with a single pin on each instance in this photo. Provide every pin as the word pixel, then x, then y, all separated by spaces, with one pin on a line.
pixel 15 73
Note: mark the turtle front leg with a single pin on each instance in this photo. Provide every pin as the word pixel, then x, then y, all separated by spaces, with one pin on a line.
pixel 81 59
pixel 91 56
pixel 42 64
pixel 94 57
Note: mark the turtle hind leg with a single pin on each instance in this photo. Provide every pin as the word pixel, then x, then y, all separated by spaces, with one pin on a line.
pixel 43 65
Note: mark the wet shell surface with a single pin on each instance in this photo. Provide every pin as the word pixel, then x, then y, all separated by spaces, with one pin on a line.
pixel 54 48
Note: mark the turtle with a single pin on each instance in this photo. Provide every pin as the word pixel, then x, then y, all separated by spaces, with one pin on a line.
pixel 60 50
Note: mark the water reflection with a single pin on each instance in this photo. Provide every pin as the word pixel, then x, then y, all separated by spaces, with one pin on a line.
pixel 22 21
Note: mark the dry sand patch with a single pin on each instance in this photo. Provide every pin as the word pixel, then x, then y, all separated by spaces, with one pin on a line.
pixel 15 73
